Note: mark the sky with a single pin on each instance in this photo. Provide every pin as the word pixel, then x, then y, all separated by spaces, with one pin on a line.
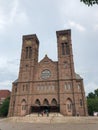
pixel 44 18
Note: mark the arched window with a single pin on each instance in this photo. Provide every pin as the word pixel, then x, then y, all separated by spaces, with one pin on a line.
pixel 66 87
pixel 23 107
pixel 23 101
pixel 16 90
pixel 23 104
pixel 26 87
pixel 45 102
pixel 37 102
pixel 13 103
pixel 69 105
pixel 81 103
pixel 23 87
pixel 69 86
pixel 54 102
pixel 65 49
pixel 28 52
pixel 79 87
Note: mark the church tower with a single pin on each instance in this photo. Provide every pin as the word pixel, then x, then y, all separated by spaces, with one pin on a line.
pixel 22 87
pixel 66 73
pixel 29 58
pixel 71 90
pixel 65 55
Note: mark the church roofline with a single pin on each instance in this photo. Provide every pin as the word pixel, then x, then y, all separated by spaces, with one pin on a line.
pixel 62 32
pixel 46 58
pixel 30 36
pixel 16 81
pixel 78 76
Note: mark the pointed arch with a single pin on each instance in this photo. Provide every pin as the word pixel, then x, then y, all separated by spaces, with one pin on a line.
pixel 23 101
pixel 28 52
pixel 23 107
pixel 54 102
pixel 65 48
pixel 69 107
pixel 37 102
pixel 45 102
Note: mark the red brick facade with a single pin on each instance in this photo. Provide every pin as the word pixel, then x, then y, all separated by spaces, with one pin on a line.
pixel 48 84
pixel 3 95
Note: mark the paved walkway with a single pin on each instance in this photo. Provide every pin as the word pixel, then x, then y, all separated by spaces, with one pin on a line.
pixel 7 125
pixel 55 119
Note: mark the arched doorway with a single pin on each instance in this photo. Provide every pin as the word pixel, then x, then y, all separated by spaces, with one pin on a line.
pixel 23 107
pixel 54 102
pixel 69 107
pixel 45 106
pixel 45 102
pixel 36 107
pixel 54 106
pixel 37 102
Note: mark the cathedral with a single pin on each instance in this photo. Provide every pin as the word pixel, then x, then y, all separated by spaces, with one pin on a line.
pixel 47 85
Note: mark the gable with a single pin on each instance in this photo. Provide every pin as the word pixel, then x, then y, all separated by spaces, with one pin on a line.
pixel 46 60
pixel 46 69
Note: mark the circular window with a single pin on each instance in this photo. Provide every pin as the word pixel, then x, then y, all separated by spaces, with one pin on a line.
pixel 45 74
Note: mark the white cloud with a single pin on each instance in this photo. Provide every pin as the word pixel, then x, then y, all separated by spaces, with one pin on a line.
pixel 77 26
pixel 96 27
pixel 5 83
pixel 2 19
pixel 90 87
pixel 3 62
pixel 12 15
pixel 22 18
pixel 13 11
pixel 17 14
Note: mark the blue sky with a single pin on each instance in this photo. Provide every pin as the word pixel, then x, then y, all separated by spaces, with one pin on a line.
pixel 45 17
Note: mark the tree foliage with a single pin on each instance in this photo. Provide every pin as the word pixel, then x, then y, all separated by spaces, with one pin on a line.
pixel 91 95
pixel 96 93
pixel 90 2
pixel 92 102
pixel 92 105
pixel 4 107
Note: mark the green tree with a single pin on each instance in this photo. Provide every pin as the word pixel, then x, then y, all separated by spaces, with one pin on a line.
pixel 90 2
pixel 91 95
pixel 96 92
pixel 4 108
pixel 92 102
pixel 92 105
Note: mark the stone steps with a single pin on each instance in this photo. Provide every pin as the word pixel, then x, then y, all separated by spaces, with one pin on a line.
pixel 54 119
pixel 45 115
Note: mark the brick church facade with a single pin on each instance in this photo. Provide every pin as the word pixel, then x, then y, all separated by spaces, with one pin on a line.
pixel 51 85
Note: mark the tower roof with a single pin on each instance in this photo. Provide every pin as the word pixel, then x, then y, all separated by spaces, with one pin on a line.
pixel 46 59
pixel 30 36
pixel 16 81
pixel 78 76
pixel 62 32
